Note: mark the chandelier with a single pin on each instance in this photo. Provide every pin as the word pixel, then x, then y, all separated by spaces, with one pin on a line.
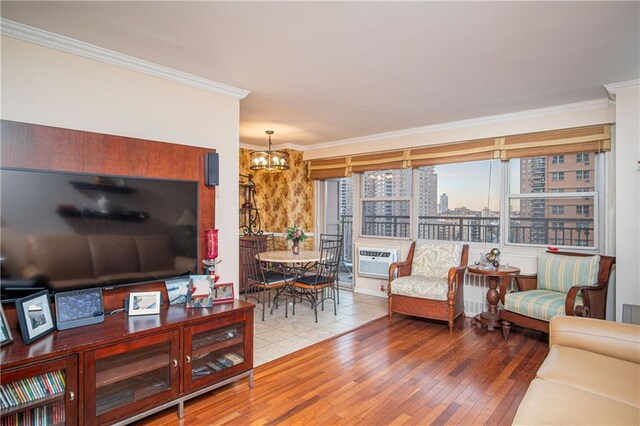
pixel 271 161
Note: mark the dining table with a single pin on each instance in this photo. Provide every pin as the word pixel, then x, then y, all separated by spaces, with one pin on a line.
pixel 290 263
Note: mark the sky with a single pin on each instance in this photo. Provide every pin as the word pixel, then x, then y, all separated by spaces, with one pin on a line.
pixel 467 184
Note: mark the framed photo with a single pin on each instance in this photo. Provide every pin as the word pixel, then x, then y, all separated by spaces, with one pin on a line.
pixel 204 293
pixel 5 331
pixel 34 315
pixel 144 303
pixel 177 290
pixel 222 292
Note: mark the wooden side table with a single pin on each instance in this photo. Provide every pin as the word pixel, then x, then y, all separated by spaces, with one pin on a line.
pixel 490 318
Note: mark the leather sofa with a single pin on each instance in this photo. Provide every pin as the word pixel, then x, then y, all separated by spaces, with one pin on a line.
pixel 67 261
pixel 590 376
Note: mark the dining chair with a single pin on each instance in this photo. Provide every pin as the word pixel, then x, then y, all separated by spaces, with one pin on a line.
pixel 260 280
pixel 321 284
pixel 336 237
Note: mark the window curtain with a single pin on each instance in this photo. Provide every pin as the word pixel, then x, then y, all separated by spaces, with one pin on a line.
pixel 595 139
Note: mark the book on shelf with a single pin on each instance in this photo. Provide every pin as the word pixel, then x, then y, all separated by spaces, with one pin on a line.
pixel 234 357
pixel 30 389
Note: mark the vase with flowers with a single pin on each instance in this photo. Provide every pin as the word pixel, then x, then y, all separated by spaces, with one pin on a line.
pixel 296 235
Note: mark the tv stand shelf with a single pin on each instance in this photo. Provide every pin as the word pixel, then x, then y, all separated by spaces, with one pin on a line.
pixel 115 371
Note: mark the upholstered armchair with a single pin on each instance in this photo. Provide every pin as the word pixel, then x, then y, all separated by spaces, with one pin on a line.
pixel 571 284
pixel 429 283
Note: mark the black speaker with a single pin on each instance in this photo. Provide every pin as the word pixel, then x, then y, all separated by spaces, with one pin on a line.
pixel 211 169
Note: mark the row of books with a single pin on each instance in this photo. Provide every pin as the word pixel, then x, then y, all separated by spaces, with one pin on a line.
pixel 50 414
pixel 31 389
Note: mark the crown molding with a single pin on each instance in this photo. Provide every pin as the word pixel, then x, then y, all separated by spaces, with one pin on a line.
pixel 452 125
pixel 65 44
pixel 273 147
pixel 614 88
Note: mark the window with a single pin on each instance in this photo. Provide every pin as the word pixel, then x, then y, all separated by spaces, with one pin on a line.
pixel 541 211
pixel 582 209
pixel 582 175
pixel 459 201
pixel 386 203
pixel 462 202
pixel 557 159
pixel 582 158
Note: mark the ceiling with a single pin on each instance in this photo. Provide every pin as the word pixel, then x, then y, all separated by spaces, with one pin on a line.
pixel 326 71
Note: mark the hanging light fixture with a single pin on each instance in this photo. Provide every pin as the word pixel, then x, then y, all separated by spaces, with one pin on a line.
pixel 271 161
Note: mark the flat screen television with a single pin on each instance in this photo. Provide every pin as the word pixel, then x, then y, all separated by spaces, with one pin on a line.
pixel 64 231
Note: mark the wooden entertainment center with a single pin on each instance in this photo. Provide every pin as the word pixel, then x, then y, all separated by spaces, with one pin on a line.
pixel 114 371
pixel 128 366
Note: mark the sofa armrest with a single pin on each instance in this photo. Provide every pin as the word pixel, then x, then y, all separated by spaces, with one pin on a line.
pixel 613 339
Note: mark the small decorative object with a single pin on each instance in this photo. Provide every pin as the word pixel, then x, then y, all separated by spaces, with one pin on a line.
pixel 144 303
pixel 211 252
pixel 34 315
pixel 491 260
pixel 297 236
pixel 204 292
pixel 177 290
pixel 77 308
pixel 5 331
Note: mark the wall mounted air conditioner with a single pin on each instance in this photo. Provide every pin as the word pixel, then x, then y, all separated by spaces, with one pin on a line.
pixel 374 262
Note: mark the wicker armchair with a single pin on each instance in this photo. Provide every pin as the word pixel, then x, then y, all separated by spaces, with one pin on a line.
pixel 572 284
pixel 429 283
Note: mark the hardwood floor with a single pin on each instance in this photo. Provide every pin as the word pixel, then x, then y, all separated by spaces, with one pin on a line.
pixel 408 371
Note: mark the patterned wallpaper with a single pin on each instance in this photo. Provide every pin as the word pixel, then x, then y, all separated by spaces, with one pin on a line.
pixel 283 198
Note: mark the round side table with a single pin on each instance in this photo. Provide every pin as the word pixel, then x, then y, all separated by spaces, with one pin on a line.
pixel 503 274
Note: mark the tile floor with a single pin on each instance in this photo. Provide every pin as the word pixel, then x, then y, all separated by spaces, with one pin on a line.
pixel 278 336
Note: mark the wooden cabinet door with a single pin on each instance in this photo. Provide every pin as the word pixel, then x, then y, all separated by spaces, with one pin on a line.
pixel 127 378
pixel 217 350
pixel 43 393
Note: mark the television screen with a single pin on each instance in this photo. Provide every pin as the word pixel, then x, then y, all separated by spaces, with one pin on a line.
pixel 63 231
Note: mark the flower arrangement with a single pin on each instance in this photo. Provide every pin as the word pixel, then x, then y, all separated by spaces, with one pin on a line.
pixel 295 233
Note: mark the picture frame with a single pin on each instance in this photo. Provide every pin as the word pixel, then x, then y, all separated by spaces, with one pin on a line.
pixel 35 316
pixel 204 292
pixel 223 292
pixel 144 303
pixel 177 290
pixel 5 331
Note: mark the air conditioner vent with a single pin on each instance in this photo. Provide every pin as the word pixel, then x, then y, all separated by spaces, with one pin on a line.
pixel 374 262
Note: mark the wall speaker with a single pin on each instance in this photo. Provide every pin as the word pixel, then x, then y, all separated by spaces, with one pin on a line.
pixel 211 169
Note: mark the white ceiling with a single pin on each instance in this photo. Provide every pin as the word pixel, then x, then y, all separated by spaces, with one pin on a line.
pixel 326 71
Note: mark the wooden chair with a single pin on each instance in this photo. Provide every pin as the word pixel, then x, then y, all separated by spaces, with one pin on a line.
pixel 572 284
pixel 429 283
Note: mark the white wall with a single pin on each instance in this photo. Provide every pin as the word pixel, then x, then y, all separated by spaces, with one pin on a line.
pixel 627 153
pixel 49 87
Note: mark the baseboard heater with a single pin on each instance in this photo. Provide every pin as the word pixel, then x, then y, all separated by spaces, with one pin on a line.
pixel 374 262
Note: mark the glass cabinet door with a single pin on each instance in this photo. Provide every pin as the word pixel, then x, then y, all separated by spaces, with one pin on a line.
pixel 214 352
pixel 135 374
pixel 44 394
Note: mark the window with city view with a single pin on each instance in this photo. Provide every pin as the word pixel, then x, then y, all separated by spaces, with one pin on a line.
pixel 386 203
pixel 461 201
pixel 562 210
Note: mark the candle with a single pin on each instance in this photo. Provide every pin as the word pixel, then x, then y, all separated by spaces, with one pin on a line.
pixel 211 243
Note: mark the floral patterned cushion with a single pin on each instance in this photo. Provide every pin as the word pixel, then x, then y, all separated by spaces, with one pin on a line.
pixel 434 258
pixel 421 287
